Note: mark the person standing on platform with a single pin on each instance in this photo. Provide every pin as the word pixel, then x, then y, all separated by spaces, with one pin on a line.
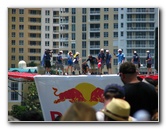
pixel 140 95
pixel 121 58
pixel 70 62
pixel 76 63
pixel 46 58
pixel 136 61
pixel 93 62
pixel 60 62
pixel 149 62
pixel 101 58
pixel 108 62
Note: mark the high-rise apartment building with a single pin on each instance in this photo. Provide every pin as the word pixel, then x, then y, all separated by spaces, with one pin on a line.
pixel 86 30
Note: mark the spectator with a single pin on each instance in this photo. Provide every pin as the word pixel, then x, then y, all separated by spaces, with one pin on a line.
pixel 149 62
pixel 85 68
pixel 70 62
pixel 79 111
pixel 93 62
pixel 101 59
pixel 60 62
pixel 117 110
pixel 76 62
pixel 136 61
pixel 140 95
pixel 121 58
pixel 108 62
pixel 111 91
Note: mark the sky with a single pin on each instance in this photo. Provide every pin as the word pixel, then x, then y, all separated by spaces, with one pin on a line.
pixel 74 3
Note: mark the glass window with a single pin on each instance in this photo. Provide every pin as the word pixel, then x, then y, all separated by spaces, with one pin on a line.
pixel 21 42
pixel 21 34
pixel 115 16
pixel 73 27
pixel 73 19
pixel 13 19
pixel 13 11
pixel 83 10
pixel 83 36
pixel 13 34
pixel 105 25
pixel 73 46
pixel 21 58
pixel 14 96
pixel 83 18
pixel 115 25
pixel 73 36
pixel 47 43
pixel 105 34
pixel 105 43
pixel 115 34
pixel 21 11
pixel 83 53
pixel 106 9
pixel 13 50
pixel 121 33
pixel 121 16
pixel 47 36
pixel 47 28
pixel 13 58
pixel 13 27
pixel 21 19
pixel 115 9
pixel 21 50
pixel 121 25
pixel 83 27
pixel 83 44
pixel 105 17
pixel 115 62
pixel 47 12
pixel 21 27
pixel 73 10
pixel 47 20
pixel 13 42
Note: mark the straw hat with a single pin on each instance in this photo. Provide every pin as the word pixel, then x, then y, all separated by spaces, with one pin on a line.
pixel 118 109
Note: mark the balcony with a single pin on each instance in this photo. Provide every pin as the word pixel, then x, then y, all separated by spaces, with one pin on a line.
pixel 140 19
pixel 95 46
pixel 140 28
pixel 95 29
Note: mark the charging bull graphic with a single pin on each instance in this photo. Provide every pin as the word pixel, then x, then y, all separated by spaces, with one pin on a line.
pixel 97 95
pixel 73 95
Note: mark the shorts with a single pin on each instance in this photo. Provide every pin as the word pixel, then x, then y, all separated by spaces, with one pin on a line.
pixel 70 63
pixel 149 65
pixel 59 66
pixel 76 66
pixel 108 66
pixel 93 66
pixel 47 64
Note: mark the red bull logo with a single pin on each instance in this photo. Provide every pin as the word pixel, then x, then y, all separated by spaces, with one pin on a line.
pixel 84 92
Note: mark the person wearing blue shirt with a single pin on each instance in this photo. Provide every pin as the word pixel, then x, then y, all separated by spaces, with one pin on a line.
pixel 108 62
pixel 149 62
pixel 121 58
pixel 70 62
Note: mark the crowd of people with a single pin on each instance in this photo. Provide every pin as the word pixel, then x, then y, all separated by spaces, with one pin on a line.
pixel 93 65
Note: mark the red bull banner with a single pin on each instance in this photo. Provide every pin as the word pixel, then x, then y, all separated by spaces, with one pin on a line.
pixel 58 92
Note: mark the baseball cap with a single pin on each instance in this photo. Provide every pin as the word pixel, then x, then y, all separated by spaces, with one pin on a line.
pixel 107 50
pixel 147 51
pixel 102 49
pixel 116 90
pixel 61 51
pixel 119 50
pixel 135 51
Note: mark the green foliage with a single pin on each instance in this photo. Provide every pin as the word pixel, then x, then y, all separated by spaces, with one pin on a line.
pixel 32 64
pixel 30 104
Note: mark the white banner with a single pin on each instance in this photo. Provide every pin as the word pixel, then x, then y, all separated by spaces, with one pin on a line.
pixel 58 92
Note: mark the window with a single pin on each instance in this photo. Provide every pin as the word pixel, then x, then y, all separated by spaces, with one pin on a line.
pixel 83 27
pixel 13 58
pixel 105 34
pixel 47 43
pixel 13 11
pixel 121 25
pixel 21 27
pixel 105 43
pixel 13 50
pixel 83 44
pixel 21 11
pixel 121 33
pixel 13 42
pixel 13 34
pixel 32 58
pixel 13 65
pixel 13 27
pixel 73 19
pixel 21 42
pixel 83 10
pixel 73 10
pixel 47 12
pixel 21 34
pixel 121 16
pixel 105 17
pixel 47 28
pixel 73 36
pixel 13 19
pixel 83 36
pixel 21 19
pixel 47 20
pixel 115 34
pixel 83 18
pixel 73 27
pixel 83 53
pixel 14 87
pixel 115 25
pixel 115 62
pixel 21 50
pixel 73 46
pixel 21 58
pixel 115 16
pixel 105 25
pixel 47 36
pixel 106 9
pixel 115 9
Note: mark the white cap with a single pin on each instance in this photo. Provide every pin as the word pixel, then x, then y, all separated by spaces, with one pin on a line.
pixel 119 50
pixel 102 49
pixel 135 51
pixel 147 51
pixel 77 53
pixel 61 51
pixel 107 50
